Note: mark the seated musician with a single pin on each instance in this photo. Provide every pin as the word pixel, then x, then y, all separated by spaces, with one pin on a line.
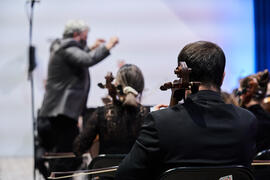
pixel 117 123
pixel 253 90
pixel 203 131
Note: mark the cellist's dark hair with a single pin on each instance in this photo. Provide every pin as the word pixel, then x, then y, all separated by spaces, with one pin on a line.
pixel 207 61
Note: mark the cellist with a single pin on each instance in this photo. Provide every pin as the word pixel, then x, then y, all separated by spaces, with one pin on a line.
pixel 119 121
pixel 202 131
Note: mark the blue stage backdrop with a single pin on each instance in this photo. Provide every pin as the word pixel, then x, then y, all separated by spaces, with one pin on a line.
pixel 262 34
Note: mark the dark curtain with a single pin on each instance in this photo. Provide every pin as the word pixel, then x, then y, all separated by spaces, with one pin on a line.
pixel 262 34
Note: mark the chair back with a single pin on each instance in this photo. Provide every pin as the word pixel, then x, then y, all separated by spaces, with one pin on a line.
pixel 262 172
pixel 103 161
pixel 208 173
pixel 263 155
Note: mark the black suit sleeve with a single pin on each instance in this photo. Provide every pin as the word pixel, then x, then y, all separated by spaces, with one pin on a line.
pixel 141 161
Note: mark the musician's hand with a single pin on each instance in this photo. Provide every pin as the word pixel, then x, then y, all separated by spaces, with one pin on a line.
pixel 159 106
pixel 113 41
pixel 176 96
pixel 97 43
pixel 120 63
pixel 80 123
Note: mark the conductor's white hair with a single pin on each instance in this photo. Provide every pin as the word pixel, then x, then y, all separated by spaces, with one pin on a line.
pixel 73 26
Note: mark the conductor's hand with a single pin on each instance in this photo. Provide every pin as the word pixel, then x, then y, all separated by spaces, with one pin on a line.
pixel 97 43
pixel 113 41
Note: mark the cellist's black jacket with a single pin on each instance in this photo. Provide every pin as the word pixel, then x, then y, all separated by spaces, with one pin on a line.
pixel 202 131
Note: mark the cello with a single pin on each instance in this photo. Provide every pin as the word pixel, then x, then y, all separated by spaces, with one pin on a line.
pixel 181 86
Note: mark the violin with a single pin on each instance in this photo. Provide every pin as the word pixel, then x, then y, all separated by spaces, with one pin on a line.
pixel 180 86
pixel 114 92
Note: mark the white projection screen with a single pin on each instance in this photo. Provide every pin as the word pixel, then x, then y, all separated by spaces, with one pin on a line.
pixel 151 33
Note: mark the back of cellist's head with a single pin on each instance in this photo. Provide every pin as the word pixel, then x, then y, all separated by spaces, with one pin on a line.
pixel 207 61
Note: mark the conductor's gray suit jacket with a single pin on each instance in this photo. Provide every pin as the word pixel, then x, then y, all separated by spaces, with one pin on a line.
pixel 68 81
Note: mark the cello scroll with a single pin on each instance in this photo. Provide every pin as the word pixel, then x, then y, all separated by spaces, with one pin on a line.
pixel 181 85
